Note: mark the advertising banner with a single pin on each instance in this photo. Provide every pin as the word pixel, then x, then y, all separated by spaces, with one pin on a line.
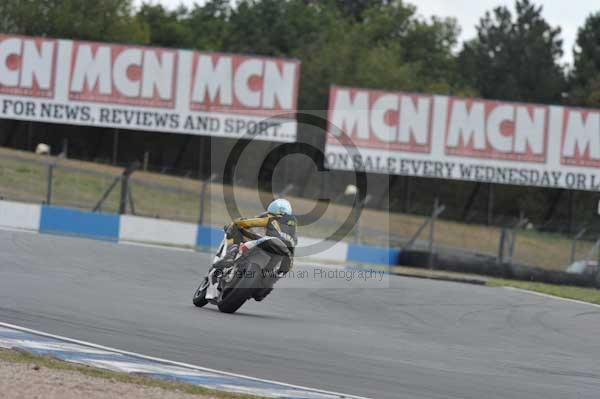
pixel 463 139
pixel 146 88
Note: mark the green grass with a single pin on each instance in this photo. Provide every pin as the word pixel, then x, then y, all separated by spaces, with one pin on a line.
pixel 13 356
pixel 590 295
pixel 23 177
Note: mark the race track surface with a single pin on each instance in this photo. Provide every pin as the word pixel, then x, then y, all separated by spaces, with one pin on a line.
pixel 416 339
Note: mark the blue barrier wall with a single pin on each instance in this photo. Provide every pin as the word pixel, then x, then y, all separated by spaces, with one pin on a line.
pixel 209 237
pixel 65 221
pixel 102 226
pixel 366 254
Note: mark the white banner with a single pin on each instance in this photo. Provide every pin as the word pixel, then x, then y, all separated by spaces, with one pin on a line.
pixel 463 139
pixel 150 89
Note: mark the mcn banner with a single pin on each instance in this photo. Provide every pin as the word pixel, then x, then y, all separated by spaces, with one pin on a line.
pixel 464 139
pixel 145 88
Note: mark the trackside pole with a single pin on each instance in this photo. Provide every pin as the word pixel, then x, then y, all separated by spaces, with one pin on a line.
pixel 125 188
pixel 502 246
pixel 205 184
pixel 437 211
pixel 574 243
pixel 49 185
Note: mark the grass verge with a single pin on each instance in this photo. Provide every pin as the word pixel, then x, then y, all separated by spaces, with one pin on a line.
pixel 14 356
pixel 80 184
pixel 590 295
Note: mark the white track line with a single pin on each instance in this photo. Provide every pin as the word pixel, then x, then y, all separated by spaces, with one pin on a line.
pixel 551 296
pixel 170 362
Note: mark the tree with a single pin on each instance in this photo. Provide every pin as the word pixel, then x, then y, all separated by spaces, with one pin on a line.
pixel 355 9
pixel 105 20
pixel 165 27
pixel 425 44
pixel 275 27
pixel 209 25
pixel 585 77
pixel 515 59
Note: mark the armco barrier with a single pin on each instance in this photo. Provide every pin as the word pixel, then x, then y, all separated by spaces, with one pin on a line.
pixel 367 254
pixel 157 231
pixel 209 237
pixel 331 251
pixel 17 215
pixel 109 227
pixel 72 222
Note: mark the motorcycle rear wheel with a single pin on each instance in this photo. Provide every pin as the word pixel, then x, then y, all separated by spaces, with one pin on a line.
pixel 234 298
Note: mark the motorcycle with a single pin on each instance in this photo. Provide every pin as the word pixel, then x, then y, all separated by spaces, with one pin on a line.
pixel 259 264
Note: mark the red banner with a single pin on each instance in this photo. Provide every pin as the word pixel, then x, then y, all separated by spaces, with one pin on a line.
pixel 147 88
pixel 463 138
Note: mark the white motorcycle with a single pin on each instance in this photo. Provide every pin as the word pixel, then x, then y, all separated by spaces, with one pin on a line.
pixel 258 265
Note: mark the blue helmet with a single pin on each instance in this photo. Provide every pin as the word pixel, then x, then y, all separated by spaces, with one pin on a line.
pixel 280 207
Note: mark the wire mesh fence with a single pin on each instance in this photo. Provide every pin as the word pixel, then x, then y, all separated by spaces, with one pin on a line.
pixel 61 182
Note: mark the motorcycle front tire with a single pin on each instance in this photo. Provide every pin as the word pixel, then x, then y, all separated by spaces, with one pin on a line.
pixel 200 294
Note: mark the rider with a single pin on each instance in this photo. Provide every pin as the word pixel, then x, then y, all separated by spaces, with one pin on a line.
pixel 278 221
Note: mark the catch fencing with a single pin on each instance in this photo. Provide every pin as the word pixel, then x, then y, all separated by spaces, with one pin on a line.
pixel 126 190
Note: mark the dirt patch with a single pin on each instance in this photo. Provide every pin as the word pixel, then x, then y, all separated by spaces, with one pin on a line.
pixel 23 380
pixel 24 375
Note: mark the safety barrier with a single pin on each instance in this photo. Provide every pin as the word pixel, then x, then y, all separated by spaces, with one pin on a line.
pixel 17 215
pixel 73 222
pixel 157 231
pixel 209 237
pixel 368 254
pixel 111 227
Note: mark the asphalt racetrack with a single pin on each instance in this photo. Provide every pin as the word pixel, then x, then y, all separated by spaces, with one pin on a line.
pixel 416 339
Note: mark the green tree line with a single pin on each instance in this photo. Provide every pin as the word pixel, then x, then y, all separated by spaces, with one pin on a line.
pixel 382 44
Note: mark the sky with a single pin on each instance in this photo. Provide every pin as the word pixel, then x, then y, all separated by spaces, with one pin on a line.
pixel 568 14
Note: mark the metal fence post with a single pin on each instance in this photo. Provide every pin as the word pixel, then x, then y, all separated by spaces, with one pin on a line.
pixel 130 199
pixel 205 184
pixel 125 188
pixel 503 235
pixel 434 216
pixel 598 265
pixel 512 244
pixel 123 198
pixel 512 236
pixel 574 244
pixel 358 208
pixel 357 221
pixel 49 185
pixel 146 160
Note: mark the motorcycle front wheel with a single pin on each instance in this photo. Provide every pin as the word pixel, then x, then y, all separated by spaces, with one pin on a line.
pixel 200 294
